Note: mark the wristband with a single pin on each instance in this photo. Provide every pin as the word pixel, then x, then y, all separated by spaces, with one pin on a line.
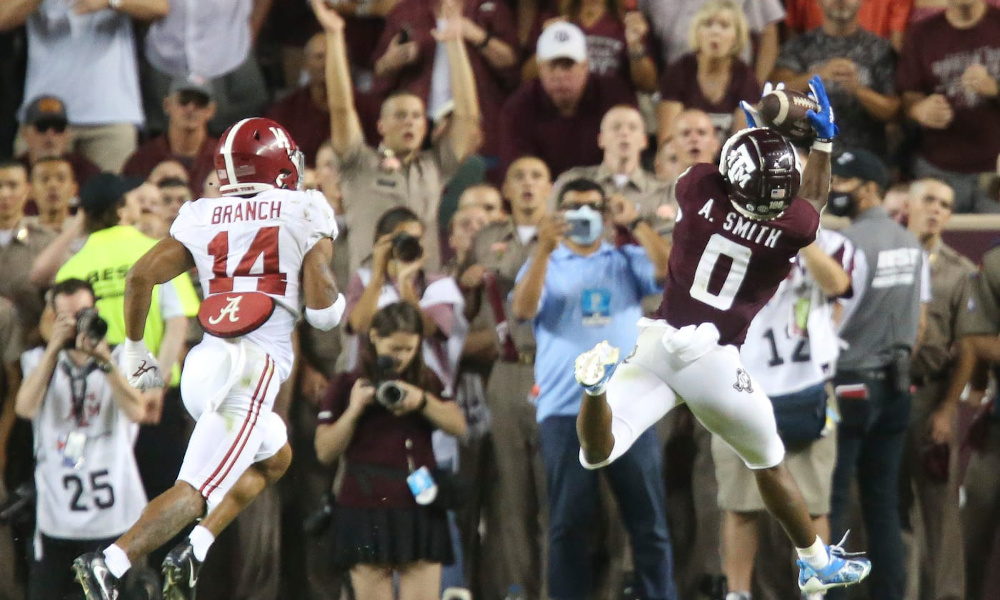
pixel 823 146
pixel 636 223
pixel 105 366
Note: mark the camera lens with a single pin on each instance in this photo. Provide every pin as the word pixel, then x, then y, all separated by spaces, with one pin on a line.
pixel 89 323
pixel 406 247
pixel 389 394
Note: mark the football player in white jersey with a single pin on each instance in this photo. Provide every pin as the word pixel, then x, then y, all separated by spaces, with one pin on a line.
pixel 255 248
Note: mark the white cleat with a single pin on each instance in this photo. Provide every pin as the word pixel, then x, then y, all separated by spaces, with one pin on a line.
pixel 593 368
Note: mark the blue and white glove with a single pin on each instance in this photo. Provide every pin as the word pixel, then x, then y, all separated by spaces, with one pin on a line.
pixel 753 117
pixel 140 366
pixel 822 122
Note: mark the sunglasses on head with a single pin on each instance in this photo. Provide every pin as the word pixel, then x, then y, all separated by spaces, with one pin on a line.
pixel 55 125
pixel 186 97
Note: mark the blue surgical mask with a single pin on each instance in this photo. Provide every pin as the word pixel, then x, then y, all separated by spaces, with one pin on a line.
pixel 585 225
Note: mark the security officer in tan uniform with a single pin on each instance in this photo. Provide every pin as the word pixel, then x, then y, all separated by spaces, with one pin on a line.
pixel 931 457
pixel 497 254
pixel 978 330
pixel 397 173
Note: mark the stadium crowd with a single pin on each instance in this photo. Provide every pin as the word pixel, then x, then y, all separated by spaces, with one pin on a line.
pixel 464 145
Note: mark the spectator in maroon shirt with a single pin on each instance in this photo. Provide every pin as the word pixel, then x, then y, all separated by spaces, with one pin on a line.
pixel 557 117
pixel 189 107
pixel 305 113
pixel 409 58
pixel 712 77
pixel 617 42
pixel 948 76
pixel 380 526
pixel 46 135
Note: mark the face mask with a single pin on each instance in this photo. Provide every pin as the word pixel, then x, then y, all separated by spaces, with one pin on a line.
pixel 585 225
pixel 841 204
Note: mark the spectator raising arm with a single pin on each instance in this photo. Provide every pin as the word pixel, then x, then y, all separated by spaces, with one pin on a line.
pixel 767 54
pixel 345 127
pixel 528 291
pixel 465 134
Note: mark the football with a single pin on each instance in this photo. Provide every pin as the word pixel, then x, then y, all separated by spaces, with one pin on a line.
pixel 785 111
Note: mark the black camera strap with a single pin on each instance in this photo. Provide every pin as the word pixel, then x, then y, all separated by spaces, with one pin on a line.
pixel 78 385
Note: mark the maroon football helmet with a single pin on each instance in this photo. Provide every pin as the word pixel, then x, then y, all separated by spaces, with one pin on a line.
pixel 255 155
pixel 761 171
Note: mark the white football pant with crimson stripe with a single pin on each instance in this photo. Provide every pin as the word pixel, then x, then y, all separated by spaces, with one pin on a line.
pixel 229 388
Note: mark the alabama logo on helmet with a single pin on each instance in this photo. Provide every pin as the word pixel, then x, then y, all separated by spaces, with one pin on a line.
pixel 255 155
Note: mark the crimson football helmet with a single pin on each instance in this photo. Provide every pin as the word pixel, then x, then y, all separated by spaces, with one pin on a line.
pixel 761 171
pixel 255 155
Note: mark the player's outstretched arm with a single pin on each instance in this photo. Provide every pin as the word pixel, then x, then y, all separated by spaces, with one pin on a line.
pixel 324 303
pixel 163 262
pixel 816 177
pixel 345 128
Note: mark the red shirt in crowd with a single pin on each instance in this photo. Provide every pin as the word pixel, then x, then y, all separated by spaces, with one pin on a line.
pixel 679 83
pixel 533 126
pixel 309 124
pixel 934 56
pixel 144 160
pixel 380 440
pixel 881 17
pixel 418 19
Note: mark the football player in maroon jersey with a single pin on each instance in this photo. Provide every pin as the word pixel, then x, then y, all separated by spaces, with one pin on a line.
pixel 738 229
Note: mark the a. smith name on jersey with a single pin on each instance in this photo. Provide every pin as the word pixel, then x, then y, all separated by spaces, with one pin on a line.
pixel 248 210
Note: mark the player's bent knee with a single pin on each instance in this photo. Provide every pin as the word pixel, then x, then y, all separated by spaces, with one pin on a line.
pixel 274 468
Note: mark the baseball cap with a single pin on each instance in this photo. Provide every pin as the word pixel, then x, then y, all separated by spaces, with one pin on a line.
pixel 861 164
pixel 191 83
pixel 45 108
pixel 562 40
pixel 105 190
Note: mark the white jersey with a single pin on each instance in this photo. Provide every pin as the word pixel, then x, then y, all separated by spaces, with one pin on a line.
pixel 792 342
pixel 257 244
pixel 85 472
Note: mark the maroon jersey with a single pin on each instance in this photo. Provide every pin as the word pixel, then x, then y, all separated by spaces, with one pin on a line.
pixel 724 267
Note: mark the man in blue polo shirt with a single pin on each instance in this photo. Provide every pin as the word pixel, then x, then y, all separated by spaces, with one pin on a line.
pixel 579 290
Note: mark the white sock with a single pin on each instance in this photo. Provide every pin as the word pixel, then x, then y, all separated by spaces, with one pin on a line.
pixel 201 541
pixel 117 561
pixel 816 556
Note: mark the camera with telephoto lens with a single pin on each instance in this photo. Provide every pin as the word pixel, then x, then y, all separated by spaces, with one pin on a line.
pixel 406 248
pixel 90 324
pixel 388 393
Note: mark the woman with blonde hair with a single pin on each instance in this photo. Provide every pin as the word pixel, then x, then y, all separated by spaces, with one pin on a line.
pixel 712 77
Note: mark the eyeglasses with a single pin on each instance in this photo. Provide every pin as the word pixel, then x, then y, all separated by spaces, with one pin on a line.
pixel 185 97
pixel 44 126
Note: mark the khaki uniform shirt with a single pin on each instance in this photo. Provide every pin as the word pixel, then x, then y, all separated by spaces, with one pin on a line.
pixel 982 311
pixel 10 343
pixel 498 247
pixel 950 289
pixel 369 190
pixel 15 263
pixel 646 191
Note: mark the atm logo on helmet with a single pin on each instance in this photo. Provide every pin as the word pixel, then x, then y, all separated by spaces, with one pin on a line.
pixel 741 166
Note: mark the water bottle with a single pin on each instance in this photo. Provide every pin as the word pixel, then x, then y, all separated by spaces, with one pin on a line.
pixel 514 592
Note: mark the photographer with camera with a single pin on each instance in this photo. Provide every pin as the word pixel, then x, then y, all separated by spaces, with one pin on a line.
pixel 392 501
pixel 85 418
pixel 396 274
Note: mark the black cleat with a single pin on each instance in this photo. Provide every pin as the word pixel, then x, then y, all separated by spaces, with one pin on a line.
pixel 94 577
pixel 180 572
